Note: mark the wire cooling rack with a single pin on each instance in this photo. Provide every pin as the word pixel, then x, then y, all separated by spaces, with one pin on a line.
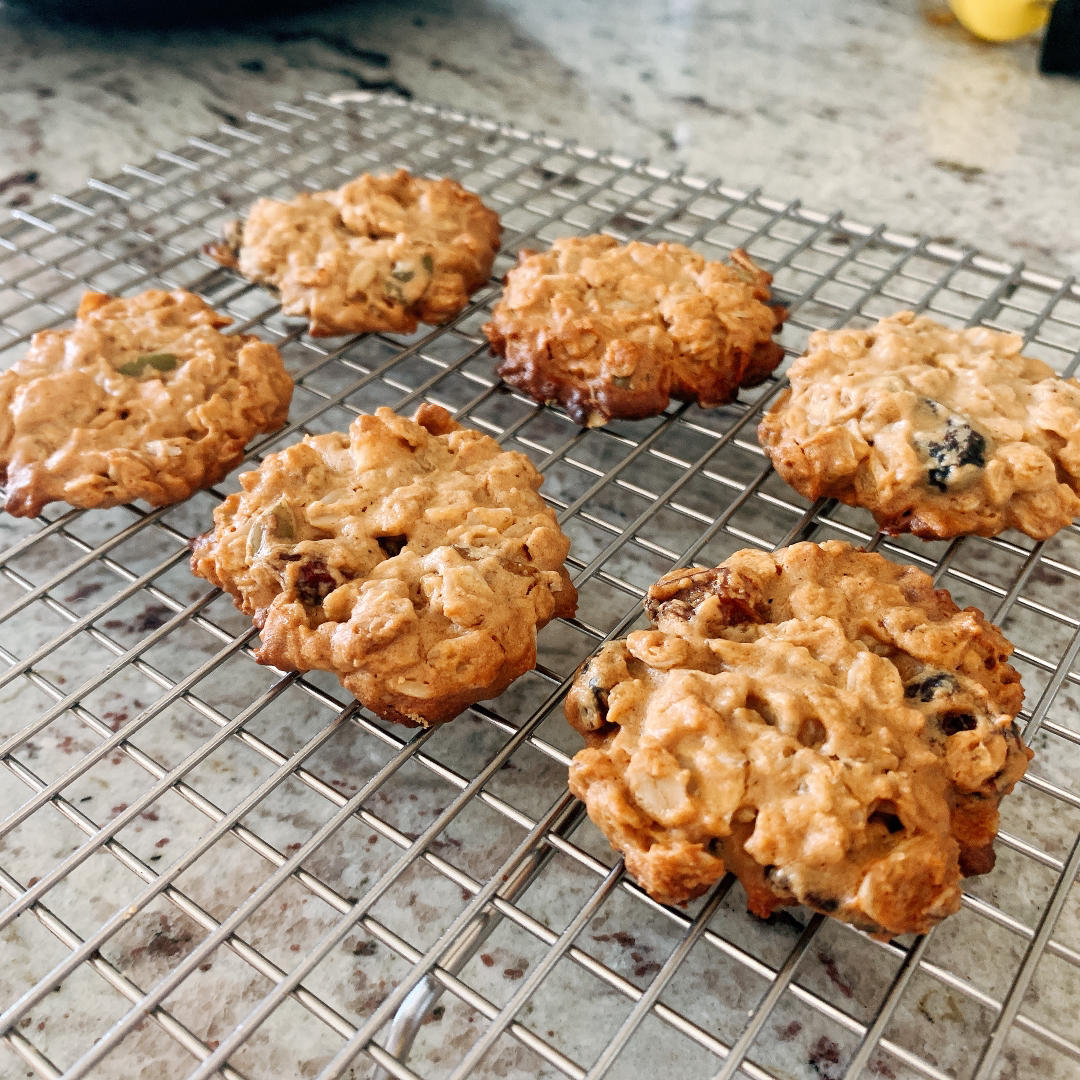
pixel 211 869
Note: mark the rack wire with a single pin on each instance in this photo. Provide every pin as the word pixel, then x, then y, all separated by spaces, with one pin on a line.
pixel 214 869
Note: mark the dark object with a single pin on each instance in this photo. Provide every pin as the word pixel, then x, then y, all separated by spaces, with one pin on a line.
pixel 314 583
pixel 926 689
pixel 954 722
pixel 961 445
pixel 137 14
pixel 392 545
pixel 1061 46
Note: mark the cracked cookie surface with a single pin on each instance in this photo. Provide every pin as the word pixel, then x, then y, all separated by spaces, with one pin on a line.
pixel 612 331
pixel 414 559
pixel 819 721
pixel 142 398
pixel 935 431
pixel 377 253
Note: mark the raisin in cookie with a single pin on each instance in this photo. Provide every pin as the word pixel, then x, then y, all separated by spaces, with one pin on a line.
pixel 936 432
pixel 617 331
pixel 819 721
pixel 142 399
pixel 412 558
pixel 378 253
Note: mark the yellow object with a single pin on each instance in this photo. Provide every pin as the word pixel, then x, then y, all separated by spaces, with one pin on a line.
pixel 1002 20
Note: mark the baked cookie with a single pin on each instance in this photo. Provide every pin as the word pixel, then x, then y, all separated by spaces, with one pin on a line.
pixel 412 558
pixel 819 721
pixel 141 399
pixel 378 253
pixel 617 331
pixel 936 432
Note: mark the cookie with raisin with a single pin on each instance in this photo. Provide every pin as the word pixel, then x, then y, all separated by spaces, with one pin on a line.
pixel 616 331
pixel 414 559
pixel 820 721
pixel 143 398
pixel 377 253
pixel 937 432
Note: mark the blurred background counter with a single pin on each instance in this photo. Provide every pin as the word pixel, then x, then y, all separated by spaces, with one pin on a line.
pixel 887 110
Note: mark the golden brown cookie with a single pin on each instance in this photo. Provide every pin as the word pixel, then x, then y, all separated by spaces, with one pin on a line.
pixel 377 253
pixel 935 431
pixel 142 399
pixel 617 331
pixel 412 558
pixel 819 721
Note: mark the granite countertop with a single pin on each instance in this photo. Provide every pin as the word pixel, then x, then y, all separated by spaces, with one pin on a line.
pixel 877 109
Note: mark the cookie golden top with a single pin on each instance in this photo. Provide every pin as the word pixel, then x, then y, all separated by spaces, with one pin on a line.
pixel 935 431
pixel 820 721
pixel 377 253
pixel 617 331
pixel 142 399
pixel 413 558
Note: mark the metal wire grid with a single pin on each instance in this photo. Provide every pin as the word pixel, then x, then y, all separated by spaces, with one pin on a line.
pixel 216 870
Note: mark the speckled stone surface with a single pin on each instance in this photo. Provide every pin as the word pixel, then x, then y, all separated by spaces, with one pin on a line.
pixel 872 108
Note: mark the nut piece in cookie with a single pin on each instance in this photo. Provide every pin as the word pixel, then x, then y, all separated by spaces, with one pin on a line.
pixel 935 431
pixel 617 331
pixel 142 398
pixel 377 253
pixel 414 559
pixel 819 721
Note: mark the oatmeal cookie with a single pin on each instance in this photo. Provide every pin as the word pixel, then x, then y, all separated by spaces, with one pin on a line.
pixel 142 399
pixel 617 331
pixel 412 558
pixel 936 432
pixel 819 721
pixel 377 253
